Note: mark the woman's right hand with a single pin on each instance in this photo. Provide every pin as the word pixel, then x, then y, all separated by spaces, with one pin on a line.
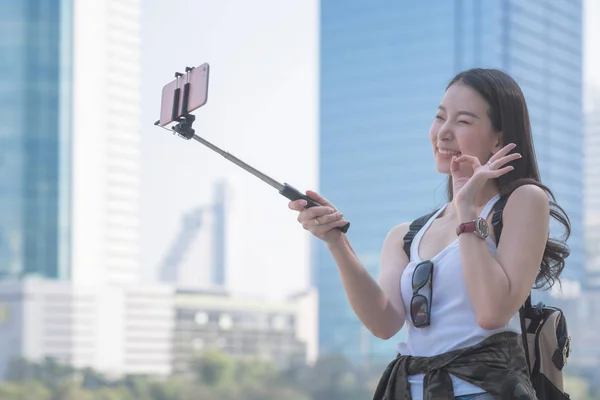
pixel 321 221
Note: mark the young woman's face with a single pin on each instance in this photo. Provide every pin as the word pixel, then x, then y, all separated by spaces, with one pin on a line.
pixel 462 126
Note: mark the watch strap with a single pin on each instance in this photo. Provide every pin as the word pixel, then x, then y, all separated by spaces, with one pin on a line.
pixel 479 227
pixel 465 227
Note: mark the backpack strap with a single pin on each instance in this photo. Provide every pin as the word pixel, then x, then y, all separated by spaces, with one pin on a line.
pixel 415 227
pixel 497 217
pixel 497 224
pixel 524 331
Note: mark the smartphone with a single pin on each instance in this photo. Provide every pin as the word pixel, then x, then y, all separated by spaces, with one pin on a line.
pixel 197 96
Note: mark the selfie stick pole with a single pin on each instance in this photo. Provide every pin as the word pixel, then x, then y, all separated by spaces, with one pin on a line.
pixel 184 130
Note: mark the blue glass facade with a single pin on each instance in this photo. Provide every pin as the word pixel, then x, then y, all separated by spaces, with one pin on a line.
pixel 383 73
pixel 34 137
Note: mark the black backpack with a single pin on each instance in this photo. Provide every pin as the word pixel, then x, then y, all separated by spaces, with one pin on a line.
pixel 546 340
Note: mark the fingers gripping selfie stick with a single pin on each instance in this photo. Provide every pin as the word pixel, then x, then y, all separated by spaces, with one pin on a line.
pixel 184 129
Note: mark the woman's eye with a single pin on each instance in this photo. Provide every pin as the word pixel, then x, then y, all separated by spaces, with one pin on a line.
pixel 439 118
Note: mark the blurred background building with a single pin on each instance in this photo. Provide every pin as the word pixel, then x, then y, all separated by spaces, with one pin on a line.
pixel 70 190
pixel 383 73
pixel 36 110
pixel 71 140
pixel 282 332
pixel 114 330
pixel 592 189
pixel 196 258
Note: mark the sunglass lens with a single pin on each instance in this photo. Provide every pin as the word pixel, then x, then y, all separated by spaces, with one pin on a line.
pixel 421 275
pixel 419 310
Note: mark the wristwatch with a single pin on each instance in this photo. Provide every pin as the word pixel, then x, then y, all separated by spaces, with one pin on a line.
pixel 479 227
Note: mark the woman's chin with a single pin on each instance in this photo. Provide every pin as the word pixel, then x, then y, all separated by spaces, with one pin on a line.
pixel 443 168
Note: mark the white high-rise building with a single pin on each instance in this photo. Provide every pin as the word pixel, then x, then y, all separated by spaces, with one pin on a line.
pixel 114 330
pixel 106 141
pixel 282 331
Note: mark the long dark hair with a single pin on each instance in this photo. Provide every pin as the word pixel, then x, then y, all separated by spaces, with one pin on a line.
pixel 509 115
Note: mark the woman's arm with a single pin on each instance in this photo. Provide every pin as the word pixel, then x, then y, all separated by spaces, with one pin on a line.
pixel 378 304
pixel 498 286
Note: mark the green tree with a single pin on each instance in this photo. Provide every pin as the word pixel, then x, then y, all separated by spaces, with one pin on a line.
pixel 214 368
pixel 251 371
pixel 112 393
pixel 24 390
pixel 173 388
pixel 49 372
pixel 92 379
pixel 71 391
pixel 214 375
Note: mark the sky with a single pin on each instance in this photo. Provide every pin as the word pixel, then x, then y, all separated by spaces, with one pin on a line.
pixel 262 107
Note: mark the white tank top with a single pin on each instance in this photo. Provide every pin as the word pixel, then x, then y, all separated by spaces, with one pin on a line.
pixel 453 321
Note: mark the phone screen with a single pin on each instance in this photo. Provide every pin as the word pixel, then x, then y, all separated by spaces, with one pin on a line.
pixel 198 94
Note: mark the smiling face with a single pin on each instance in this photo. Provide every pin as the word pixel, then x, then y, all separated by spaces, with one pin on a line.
pixel 462 126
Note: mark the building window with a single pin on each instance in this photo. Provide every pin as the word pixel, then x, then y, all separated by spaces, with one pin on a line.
pixel 225 322
pixel 201 318
pixel 198 343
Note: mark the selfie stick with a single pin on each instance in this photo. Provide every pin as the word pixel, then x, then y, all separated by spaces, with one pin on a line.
pixel 185 131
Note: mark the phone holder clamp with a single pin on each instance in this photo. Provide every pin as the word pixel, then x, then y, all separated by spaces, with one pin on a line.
pixel 186 120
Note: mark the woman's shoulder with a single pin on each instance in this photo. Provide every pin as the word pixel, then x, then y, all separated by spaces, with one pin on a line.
pixel 528 196
pixel 398 232
pixel 527 205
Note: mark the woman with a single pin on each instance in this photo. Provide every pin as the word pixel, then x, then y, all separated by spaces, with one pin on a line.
pixel 458 292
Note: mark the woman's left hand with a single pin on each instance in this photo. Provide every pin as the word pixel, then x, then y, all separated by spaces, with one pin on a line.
pixel 466 185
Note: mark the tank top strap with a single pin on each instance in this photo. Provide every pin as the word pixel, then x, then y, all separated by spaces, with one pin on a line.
pixel 414 247
pixel 488 207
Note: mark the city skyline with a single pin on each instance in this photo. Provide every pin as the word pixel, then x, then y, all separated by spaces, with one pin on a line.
pixel 72 186
pixel 70 221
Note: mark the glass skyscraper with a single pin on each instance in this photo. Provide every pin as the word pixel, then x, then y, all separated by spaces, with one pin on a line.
pixel 383 73
pixel 35 137
pixel 592 189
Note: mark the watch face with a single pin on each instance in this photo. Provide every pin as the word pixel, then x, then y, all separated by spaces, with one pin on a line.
pixel 481 228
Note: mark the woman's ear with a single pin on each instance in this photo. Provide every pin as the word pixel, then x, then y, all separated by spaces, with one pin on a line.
pixel 499 143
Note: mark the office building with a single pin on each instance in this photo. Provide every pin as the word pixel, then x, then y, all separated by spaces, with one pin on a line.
pixel 69 187
pixel 196 257
pixel 35 107
pixel 70 105
pixel 592 189
pixel 383 72
pixel 283 332
pixel 114 330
